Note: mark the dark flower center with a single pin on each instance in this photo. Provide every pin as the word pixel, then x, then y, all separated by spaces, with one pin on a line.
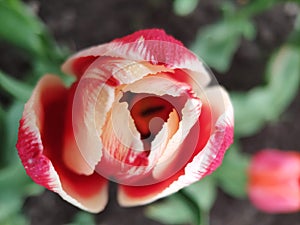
pixel 150 112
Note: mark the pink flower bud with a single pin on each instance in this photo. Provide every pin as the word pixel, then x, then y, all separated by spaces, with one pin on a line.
pixel 274 181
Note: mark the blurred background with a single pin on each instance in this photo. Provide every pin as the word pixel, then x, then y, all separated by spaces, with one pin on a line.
pixel 252 47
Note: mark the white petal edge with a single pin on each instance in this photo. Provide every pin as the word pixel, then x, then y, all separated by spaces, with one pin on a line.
pixel 201 164
pixel 31 128
pixel 141 51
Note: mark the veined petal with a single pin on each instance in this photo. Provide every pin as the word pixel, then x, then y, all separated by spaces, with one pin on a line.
pixel 176 96
pixel 151 45
pixel 167 165
pixel 71 154
pixel 121 143
pixel 123 151
pixel 90 102
pixel 123 71
pixel 212 144
pixel 159 144
pixel 158 85
pixel 210 157
pixel 40 148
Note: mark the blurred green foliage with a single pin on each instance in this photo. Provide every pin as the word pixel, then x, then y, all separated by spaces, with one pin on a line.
pixel 215 44
pixel 19 90
pixel 184 7
pixel 15 185
pixel 231 175
pixel 19 27
pixel 191 205
pixel 266 103
pixel 176 209
pixel 83 218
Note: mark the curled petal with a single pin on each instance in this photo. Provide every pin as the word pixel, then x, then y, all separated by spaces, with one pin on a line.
pixel 87 113
pixel 131 158
pixel 212 144
pixel 71 154
pixel 152 45
pixel 221 138
pixel 90 101
pixel 40 148
pixel 167 164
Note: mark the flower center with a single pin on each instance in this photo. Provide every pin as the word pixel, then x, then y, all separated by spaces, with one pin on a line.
pixel 150 112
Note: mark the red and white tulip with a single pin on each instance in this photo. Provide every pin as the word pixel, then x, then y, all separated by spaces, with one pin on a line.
pixel 141 113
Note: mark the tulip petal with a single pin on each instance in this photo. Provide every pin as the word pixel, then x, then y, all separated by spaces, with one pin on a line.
pixel 282 197
pixel 40 148
pixel 221 138
pixel 184 103
pixel 207 157
pixel 71 154
pixel 151 45
pixel 87 112
pixel 90 101
pixel 123 151
pixel 148 34
pixel 270 165
pixel 167 165
pixel 274 178
pixel 121 138
pixel 159 144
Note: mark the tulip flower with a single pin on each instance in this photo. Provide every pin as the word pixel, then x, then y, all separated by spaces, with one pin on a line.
pixel 141 113
pixel 274 181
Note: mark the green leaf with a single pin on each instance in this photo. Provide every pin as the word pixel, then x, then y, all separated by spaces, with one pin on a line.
pixel 11 124
pixel 294 37
pixel 2 136
pixel 260 105
pixel 203 193
pixel 9 204
pixel 13 117
pixel 175 209
pixel 16 219
pixel 283 75
pixel 14 180
pixel 2 112
pixel 255 7
pixel 15 186
pixel 250 109
pixel 83 218
pixel 20 27
pixel 232 174
pixel 217 43
pixel 17 89
pixel 184 7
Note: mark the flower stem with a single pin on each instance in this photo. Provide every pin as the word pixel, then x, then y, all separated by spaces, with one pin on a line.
pixel 204 217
